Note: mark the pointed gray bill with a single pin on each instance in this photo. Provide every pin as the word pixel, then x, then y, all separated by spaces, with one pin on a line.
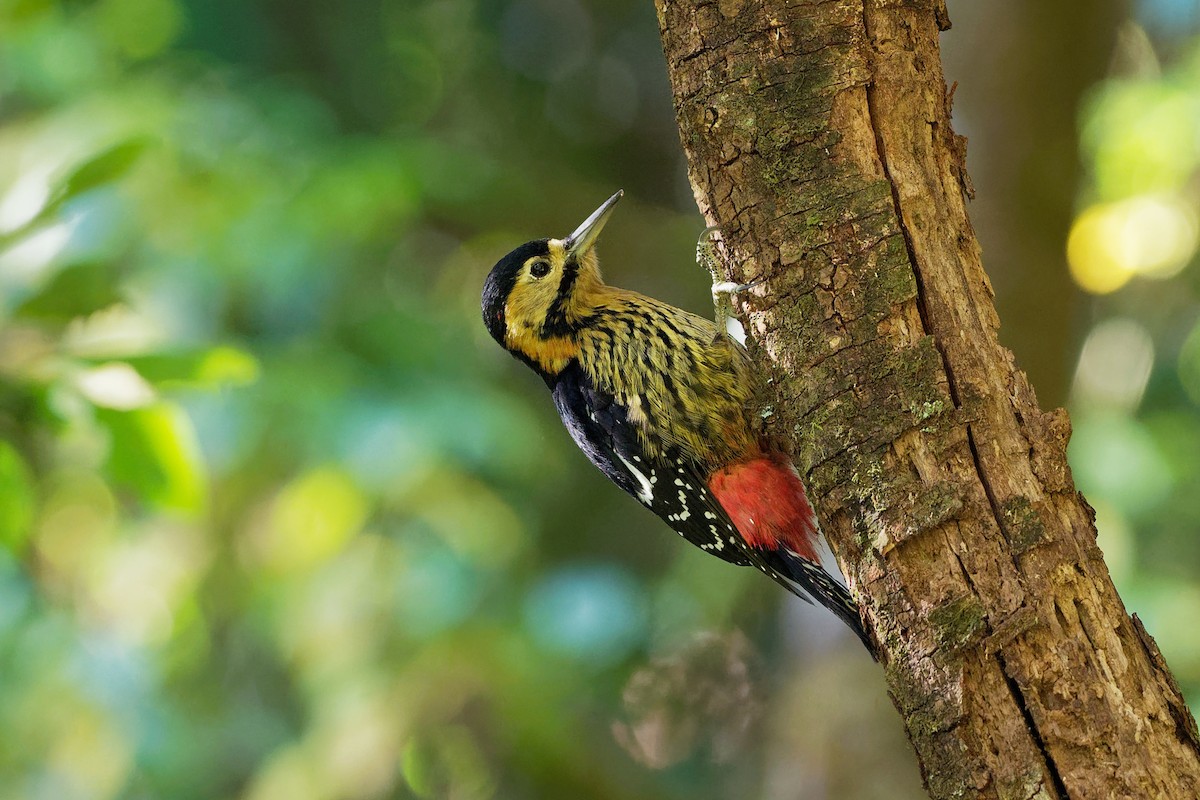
pixel 586 234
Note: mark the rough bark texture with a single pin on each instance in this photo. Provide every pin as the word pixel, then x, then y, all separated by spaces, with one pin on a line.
pixel 818 137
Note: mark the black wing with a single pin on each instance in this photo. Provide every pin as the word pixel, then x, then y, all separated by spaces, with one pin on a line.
pixel 673 488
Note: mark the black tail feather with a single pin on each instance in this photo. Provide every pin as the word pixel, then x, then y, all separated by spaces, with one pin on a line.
pixel 820 586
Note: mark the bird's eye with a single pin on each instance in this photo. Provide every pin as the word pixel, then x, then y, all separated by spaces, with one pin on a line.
pixel 539 269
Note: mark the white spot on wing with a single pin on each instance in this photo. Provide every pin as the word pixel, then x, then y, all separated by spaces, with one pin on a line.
pixel 645 490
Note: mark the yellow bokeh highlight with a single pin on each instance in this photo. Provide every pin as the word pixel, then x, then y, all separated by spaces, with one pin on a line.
pixel 311 520
pixel 92 756
pixel 333 624
pixel 357 738
pixel 1151 236
pixel 76 526
pixel 228 366
pixel 139 584
pixel 289 774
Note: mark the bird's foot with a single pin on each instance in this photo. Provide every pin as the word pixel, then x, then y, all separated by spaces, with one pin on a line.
pixel 730 288
pixel 706 252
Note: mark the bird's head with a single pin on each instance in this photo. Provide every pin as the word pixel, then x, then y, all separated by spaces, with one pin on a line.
pixel 536 293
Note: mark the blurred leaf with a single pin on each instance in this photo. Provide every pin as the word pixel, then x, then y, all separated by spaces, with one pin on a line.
pixel 17 499
pixel 1189 365
pixel 104 167
pixel 223 365
pixel 418 768
pixel 75 291
pixel 115 385
pixel 447 763
pixel 153 451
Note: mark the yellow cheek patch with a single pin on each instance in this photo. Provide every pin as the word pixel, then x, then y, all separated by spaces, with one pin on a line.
pixel 552 354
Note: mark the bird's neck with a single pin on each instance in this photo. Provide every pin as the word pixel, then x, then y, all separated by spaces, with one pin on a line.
pixel 551 344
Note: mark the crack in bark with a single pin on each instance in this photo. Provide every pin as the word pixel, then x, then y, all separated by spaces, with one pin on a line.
pixel 1056 780
pixel 881 152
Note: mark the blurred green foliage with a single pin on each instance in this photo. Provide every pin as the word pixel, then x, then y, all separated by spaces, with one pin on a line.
pixel 278 520
pixel 1136 447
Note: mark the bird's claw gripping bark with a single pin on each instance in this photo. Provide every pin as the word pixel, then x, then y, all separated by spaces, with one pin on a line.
pixel 706 257
pixel 730 288
pixel 722 290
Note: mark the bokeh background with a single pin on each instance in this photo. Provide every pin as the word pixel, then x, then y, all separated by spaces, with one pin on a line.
pixel 278 520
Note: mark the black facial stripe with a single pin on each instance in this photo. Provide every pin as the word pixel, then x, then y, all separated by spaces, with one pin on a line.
pixel 556 318
pixel 567 282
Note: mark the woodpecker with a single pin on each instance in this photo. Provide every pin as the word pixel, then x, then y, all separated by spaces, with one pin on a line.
pixel 660 400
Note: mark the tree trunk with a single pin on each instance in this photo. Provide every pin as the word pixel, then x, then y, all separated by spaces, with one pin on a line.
pixel 818 138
